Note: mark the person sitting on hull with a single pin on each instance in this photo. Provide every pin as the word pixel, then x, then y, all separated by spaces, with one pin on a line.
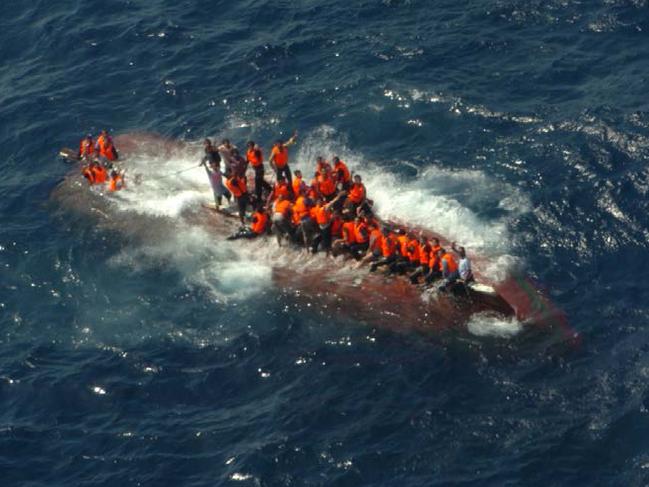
pixel 389 251
pixel 341 173
pixel 279 159
pixel 212 164
pixel 255 158
pixel 434 262
pixel 299 186
pixel 237 187
pixel 450 269
pixel 424 254
pixel 95 173
pixel 258 226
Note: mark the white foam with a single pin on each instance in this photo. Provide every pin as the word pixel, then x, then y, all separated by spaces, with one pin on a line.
pixel 488 324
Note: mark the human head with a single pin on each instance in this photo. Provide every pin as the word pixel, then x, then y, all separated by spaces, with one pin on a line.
pixel 226 142
pixel 357 178
pixel 297 173
pixel 335 160
pixel 385 230
pixel 441 251
pixel 279 143
pixel 207 143
pixel 251 144
pixel 88 137
pixel 435 241
pixel 461 251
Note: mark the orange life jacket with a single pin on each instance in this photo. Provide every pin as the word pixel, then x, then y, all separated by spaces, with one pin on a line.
pixel 389 245
pixel 236 185
pixel 281 189
pixel 361 234
pixel 326 185
pixel 88 174
pixel 282 207
pixel 299 186
pixel 116 183
pixel 424 253
pixel 322 214
pixel 451 263
pixel 100 174
pixel 375 239
pixel 280 156
pixel 403 245
pixel 300 210
pixel 413 250
pixel 101 142
pixel 259 221
pixel 86 148
pixel 434 262
pixel 108 151
pixel 349 233
pixel 255 157
pixel 342 172
pixel 356 193
pixel 336 227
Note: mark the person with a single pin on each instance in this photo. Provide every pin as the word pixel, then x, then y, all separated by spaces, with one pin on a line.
pixel 258 225
pixel 299 186
pixel 326 185
pixel 434 262
pixel 321 165
pixel 280 187
pixel 116 181
pixel 389 250
pixel 105 148
pixel 279 158
pixel 237 186
pixel 99 173
pixel 212 163
pixel 449 269
pixel 424 254
pixel 88 174
pixel 255 158
pixel 239 165
pixel 282 218
pixel 341 173
pixel 323 214
pixel 374 245
pixel 356 194
pixel 464 266
pixel 225 151
pixel 301 218
pixel 86 148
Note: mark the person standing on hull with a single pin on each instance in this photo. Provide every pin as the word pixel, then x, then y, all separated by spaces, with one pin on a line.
pixel 237 186
pixel 464 266
pixel 279 159
pixel 225 151
pixel 282 218
pixel 212 163
pixel 239 164
pixel 255 158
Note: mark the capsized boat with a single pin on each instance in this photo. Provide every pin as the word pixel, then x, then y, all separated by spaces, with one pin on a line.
pixel 328 286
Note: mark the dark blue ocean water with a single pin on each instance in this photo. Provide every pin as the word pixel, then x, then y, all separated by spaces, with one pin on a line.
pixel 139 363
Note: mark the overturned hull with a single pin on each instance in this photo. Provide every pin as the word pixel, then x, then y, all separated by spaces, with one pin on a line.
pixel 328 286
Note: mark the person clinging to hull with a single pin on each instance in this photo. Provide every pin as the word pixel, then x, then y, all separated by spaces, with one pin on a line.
pixel 212 163
pixel 279 159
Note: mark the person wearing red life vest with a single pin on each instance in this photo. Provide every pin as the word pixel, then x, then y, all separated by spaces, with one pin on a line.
pixel 116 181
pixel 424 254
pixel 341 173
pixel 450 269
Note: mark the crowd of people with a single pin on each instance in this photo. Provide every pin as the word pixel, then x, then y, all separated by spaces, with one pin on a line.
pixel 97 158
pixel 330 213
